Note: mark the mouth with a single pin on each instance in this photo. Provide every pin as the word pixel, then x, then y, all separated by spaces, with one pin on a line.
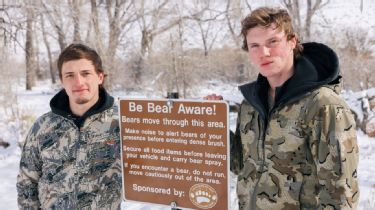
pixel 79 90
pixel 266 63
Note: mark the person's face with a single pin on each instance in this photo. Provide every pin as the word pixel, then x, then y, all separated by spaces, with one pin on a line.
pixel 81 82
pixel 270 51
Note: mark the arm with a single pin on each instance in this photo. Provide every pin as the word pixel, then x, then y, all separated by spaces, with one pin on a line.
pixel 30 171
pixel 236 159
pixel 335 152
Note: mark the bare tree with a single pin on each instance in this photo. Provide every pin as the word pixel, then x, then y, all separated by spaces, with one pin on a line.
pixel 10 25
pixel 183 73
pixel 95 23
pixel 173 83
pixel 53 11
pixel 154 20
pixel 74 6
pixel 303 25
pixel 38 71
pixel 48 48
pixel 357 58
pixel 120 15
pixel 233 17
pixel 29 47
pixel 208 20
pixel 149 22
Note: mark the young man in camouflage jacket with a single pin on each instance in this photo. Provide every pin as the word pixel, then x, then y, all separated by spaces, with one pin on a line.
pixel 71 156
pixel 295 145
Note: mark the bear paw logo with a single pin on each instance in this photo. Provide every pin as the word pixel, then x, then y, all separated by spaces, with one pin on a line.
pixel 203 196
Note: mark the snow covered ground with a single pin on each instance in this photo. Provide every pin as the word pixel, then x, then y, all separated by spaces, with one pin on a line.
pixel 36 102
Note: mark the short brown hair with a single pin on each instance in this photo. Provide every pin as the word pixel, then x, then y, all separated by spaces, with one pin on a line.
pixel 80 51
pixel 265 17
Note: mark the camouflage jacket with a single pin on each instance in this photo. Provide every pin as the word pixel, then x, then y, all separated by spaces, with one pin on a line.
pixel 302 152
pixel 68 167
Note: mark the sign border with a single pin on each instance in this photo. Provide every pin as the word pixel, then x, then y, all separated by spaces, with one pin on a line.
pixel 168 101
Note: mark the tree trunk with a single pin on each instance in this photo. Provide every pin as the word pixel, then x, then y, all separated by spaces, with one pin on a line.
pixel 48 48
pixel 56 20
pixel 95 22
pixel 29 48
pixel 38 72
pixel 182 59
pixel 229 16
pixel 293 6
pixel 76 13
pixel 113 39
pixel 309 14
pixel 146 42
pixel 61 37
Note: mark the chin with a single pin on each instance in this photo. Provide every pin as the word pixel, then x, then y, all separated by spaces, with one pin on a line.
pixel 269 72
pixel 266 74
pixel 81 100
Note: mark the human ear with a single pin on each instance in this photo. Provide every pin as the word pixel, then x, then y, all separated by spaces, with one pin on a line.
pixel 101 78
pixel 293 41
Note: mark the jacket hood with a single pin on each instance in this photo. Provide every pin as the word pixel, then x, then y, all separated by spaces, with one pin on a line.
pixel 60 104
pixel 318 65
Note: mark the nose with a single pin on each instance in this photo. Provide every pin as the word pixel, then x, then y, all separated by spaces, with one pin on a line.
pixel 265 51
pixel 78 79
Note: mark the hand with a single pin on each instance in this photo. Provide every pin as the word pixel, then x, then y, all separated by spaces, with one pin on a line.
pixel 213 97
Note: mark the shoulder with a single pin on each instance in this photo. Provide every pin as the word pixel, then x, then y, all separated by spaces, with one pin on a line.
pixel 326 96
pixel 113 111
pixel 46 120
pixel 109 116
pixel 43 125
pixel 246 109
pixel 246 105
pixel 324 101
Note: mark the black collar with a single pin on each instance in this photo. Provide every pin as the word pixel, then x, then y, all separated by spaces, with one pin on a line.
pixel 60 105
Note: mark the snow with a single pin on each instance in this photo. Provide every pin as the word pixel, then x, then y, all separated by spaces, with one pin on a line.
pixel 36 102
pixel 366 173
pixel 358 100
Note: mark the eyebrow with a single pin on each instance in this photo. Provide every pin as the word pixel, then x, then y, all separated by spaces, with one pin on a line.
pixel 273 37
pixel 83 70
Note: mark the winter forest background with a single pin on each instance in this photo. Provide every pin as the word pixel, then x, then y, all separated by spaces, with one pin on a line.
pixel 151 47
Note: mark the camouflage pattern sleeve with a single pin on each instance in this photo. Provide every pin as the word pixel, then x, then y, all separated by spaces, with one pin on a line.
pixel 334 148
pixel 236 159
pixel 30 171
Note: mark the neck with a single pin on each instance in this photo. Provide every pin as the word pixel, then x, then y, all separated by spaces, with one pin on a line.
pixel 279 80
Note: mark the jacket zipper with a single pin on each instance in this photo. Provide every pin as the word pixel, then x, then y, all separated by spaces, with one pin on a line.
pixel 76 177
pixel 263 123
